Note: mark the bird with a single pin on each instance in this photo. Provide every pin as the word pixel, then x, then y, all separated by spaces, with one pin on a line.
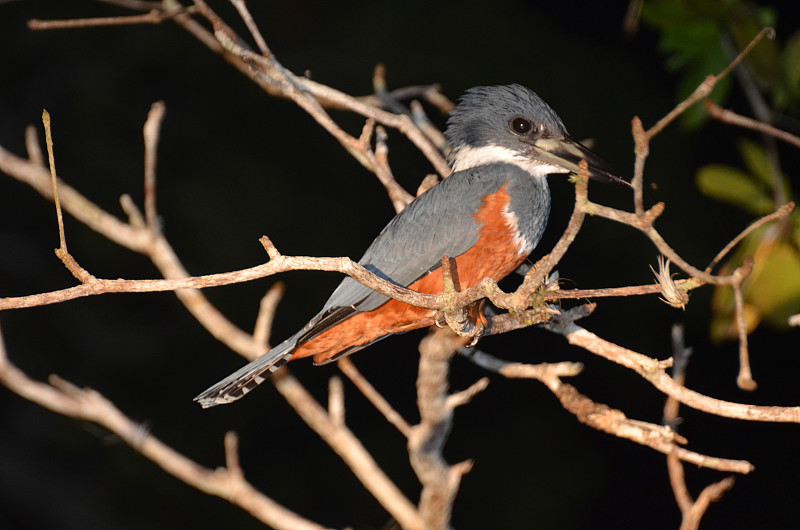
pixel 486 217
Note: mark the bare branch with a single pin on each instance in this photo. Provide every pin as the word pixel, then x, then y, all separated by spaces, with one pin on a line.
pixel 241 7
pixel 745 379
pixel 49 140
pixel 642 138
pixel 274 78
pixel 687 284
pixel 400 197
pixel 378 401
pixel 705 88
pixel 231 444
pixel 711 493
pixel 539 273
pixel 228 483
pixel 691 511
pixel 425 441
pixel 266 314
pixel 151 132
pixel 728 116
pixel 440 481
pixel 336 401
pixel 654 372
pixel 603 417
pixel 38 177
pixel 459 399
pixel 780 213
pixel 677 477
pixel 155 16
pixel 32 146
pixel 350 449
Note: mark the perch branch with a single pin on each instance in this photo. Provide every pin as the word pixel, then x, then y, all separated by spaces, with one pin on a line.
pixel 602 417
pixel 654 372
pixel 440 481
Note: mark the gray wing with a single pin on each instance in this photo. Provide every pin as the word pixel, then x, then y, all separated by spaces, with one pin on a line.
pixel 439 222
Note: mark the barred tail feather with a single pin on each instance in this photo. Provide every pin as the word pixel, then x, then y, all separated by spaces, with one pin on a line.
pixel 247 378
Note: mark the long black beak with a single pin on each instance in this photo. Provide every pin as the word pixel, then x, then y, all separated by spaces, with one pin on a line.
pixel 567 153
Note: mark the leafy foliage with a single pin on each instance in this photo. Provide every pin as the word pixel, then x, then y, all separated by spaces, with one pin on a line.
pixel 772 291
pixel 699 38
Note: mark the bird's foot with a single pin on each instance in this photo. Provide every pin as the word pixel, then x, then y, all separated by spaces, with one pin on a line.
pixel 461 321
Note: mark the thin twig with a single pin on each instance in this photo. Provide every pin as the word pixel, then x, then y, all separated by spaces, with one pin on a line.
pixel 373 396
pixel 241 7
pixel 711 493
pixel 266 314
pixel 464 397
pixel 67 399
pixel 400 197
pixel 336 401
pixel 296 89
pixel 51 159
pixel 536 276
pixel 761 109
pixel 231 445
pixel 155 16
pixel 61 252
pixel 642 138
pixel 644 223
pixel 708 84
pixel 654 372
pixel 267 72
pixel 603 417
pixel 350 449
pixel 677 478
pixel 780 213
pixel 729 116
pixel 745 379
pixel 32 146
pixel 151 132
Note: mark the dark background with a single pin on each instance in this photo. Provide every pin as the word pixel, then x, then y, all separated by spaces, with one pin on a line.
pixel 235 164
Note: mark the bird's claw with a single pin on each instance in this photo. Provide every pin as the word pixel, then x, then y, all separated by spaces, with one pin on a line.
pixel 461 323
pixel 478 333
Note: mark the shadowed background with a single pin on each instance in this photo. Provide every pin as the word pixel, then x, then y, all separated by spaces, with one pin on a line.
pixel 235 164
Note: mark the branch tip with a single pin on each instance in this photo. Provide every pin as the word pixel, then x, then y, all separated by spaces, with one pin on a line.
pixel 459 399
pixel 336 400
pixel 231 445
pixel 272 251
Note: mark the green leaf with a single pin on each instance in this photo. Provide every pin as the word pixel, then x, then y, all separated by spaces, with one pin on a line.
pixel 760 165
pixel 773 286
pixel 794 219
pixel 692 40
pixel 790 66
pixel 756 159
pixel 731 185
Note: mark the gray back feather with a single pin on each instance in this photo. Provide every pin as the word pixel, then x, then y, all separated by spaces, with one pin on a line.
pixel 440 222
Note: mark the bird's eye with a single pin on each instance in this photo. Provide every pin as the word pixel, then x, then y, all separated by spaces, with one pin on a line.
pixel 521 125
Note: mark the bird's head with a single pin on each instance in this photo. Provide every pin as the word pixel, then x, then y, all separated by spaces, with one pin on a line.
pixel 511 124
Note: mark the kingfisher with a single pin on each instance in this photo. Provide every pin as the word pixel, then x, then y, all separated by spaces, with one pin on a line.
pixel 487 217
